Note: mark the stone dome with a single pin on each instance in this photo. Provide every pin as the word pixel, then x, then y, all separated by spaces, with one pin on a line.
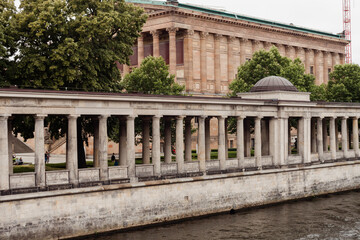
pixel 273 83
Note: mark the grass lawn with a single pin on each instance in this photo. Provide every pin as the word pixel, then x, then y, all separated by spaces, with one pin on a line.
pixel 89 164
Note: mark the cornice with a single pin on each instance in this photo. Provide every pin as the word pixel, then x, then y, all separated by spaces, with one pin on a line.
pixel 239 22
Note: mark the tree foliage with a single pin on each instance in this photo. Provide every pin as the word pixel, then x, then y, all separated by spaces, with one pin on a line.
pixel 344 84
pixel 152 77
pixel 7 40
pixel 271 63
pixel 74 44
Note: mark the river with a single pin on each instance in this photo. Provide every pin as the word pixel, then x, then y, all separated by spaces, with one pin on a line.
pixel 335 216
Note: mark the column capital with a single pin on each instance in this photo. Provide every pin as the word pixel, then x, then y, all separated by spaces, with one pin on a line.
pixel 256 42
pixel 172 30
pixel 344 117
pixel 217 37
pixel 267 44
pixel 222 117
pixel 180 117
pixel 202 117
pixel 131 117
pixel 259 117
pixel 103 116
pixel 244 40
pixel 203 35
pixel 334 54
pixel 308 50
pixel 73 116
pixel 40 116
pixel 231 39
pixel 289 47
pixel 155 33
pixel 240 117
pixel 189 33
pixel 317 51
pixel 355 117
pixel 156 116
pixel 5 116
pixel 326 54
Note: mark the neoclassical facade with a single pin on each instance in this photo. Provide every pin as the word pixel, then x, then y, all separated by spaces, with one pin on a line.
pixel 204 47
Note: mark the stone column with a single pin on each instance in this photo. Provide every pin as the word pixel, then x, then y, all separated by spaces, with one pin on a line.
pixel 10 146
pixel 230 43
pixel 300 137
pixel 39 151
pixel 255 46
pixel 188 57
pixel 243 42
pixel 307 60
pixel 326 66
pixel 313 137
pixel 207 139
pixel 103 148
pixel 283 140
pixel 258 142
pixel 290 52
pixel 172 49
pixel 126 70
pixel 334 59
pixel 217 71
pixel 318 67
pixel 96 162
pixel 155 34
pixel 356 136
pixel 344 136
pixel 307 139
pixel 130 147
pixel 146 140
pixel 167 140
pixel 332 138
pixel 188 139
pixel 273 140
pixel 319 138
pixel 71 153
pixel 201 144
pixel 221 145
pixel 4 153
pixel 156 145
pixel 240 141
pixel 265 137
pixel 203 62
pixel 337 135
pixel 180 143
pixel 281 49
pixel 226 139
pixel 342 58
pixel 140 48
pixel 247 138
pixel 122 142
pixel 325 136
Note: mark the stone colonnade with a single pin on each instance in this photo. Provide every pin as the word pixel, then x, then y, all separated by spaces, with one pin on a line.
pixel 271 143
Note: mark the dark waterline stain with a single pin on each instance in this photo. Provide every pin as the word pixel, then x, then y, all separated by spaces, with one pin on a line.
pixel 336 216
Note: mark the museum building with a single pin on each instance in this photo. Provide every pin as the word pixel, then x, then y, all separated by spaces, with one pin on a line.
pixel 205 46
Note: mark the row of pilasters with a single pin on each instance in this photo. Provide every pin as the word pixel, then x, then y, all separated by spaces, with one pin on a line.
pixel 316 61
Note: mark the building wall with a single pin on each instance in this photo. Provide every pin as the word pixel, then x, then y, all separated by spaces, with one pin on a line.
pixel 74 212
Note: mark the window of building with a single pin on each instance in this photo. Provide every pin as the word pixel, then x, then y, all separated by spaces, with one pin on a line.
pixel 148 50
pixel 134 58
pixel 164 51
pixel 180 52
pixel 311 69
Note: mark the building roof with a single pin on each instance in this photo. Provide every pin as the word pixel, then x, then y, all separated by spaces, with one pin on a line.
pixel 273 83
pixel 224 13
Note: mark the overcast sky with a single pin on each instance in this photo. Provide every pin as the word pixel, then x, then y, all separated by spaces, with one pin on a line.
pixel 325 15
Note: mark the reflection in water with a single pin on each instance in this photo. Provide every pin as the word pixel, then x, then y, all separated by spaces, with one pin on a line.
pixel 328 217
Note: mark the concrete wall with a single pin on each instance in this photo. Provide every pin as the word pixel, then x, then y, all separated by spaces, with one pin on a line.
pixel 75 212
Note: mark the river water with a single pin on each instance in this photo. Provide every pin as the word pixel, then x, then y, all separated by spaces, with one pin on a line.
pixel 332 217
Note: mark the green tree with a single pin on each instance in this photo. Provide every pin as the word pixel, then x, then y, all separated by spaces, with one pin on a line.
pixel 74 44
pixel 152 77
pixel 344 84
pixel 63 44
pixel 271 63
pixel 7 40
